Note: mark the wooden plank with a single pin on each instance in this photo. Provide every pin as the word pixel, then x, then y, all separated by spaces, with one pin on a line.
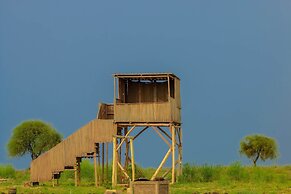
pixel 139 124
pixel 78 171
pixel 161 164
pixel 114 93
pixel 163 138
pixel 98 164
pixel 180 153
pixel 164 132
pixel 143 76
pixel 126 149
pixel 95 170
pixel 173 153
pixel 169 170
pixel 132 159
pixel 114 163
pixel 140 132
pixel 147 112
pixel 122 170
pixel 127 134
pixel 169 90
pixel 107 165
pixel 102 173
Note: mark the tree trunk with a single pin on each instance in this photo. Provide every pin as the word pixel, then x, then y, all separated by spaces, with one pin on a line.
pixel 33 156
pixel 256 159
pixel 255 163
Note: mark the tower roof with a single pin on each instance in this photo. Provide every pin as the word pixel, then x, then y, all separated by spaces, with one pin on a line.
pixel 145 75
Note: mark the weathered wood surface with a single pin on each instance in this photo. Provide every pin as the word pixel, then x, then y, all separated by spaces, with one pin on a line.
pixel 148 101
pixel 148 112
pixel 106 111
pixel 76 145
pixel 142 112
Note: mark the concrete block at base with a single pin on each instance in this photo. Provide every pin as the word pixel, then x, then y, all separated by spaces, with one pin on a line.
pixel 150 187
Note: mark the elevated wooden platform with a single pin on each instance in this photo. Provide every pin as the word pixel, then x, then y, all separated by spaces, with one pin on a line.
pixel 141 101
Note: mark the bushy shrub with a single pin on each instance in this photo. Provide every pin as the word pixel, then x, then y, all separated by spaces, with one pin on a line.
pixel 7 171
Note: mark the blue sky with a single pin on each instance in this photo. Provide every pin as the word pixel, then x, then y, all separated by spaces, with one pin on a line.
pixel 233 57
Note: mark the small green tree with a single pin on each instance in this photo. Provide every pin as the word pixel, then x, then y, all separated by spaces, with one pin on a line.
pixel 258 147
pixel 32 137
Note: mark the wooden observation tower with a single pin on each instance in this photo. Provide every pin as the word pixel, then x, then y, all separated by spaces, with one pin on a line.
pixel 141 101
pixel 144 101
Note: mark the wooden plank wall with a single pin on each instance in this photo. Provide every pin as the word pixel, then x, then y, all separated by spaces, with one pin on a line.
pixel 76 145
pixel 176 103
pixel 121 90
pixel 147 92
pixel 177 93
pixel 143 112
pixel 106 111
pixel 150 111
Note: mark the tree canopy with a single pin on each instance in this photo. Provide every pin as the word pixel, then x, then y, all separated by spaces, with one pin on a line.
pixel 32 137
pixel 258 147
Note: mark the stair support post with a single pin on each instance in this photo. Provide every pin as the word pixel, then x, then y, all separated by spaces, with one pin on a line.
pixel 78 171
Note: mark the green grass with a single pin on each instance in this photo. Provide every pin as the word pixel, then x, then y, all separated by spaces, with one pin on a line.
pixel 235 173
pixel 230 188
pixel 234 178
pixel 7 171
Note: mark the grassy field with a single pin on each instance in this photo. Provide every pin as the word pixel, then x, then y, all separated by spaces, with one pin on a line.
pixel 234 178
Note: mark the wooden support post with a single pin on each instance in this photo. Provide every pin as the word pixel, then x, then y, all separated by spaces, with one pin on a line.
pixel 155 91
pixel 98 163
pixel 114 94
pixel 114 86
pixel 126 154
pixel 53 180
pixel 126 150
pixel 132 159
pixel 169 92
pixel 95 169
pixel 173 152
pixel 107 168
pixel 139 91
pixel 119 151
pixel 102 173
pixel 114 164
pixel 78 171
pixel 180 153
